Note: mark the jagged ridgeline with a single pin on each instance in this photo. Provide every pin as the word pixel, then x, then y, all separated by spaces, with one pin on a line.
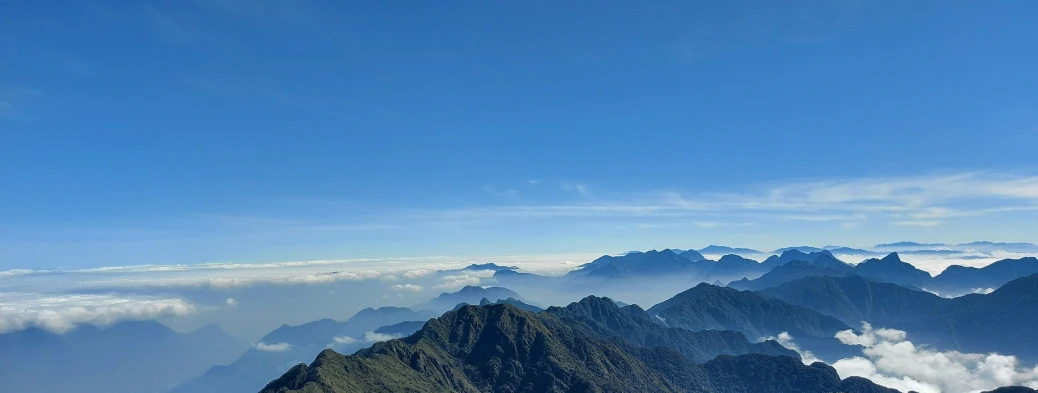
pixel 501 348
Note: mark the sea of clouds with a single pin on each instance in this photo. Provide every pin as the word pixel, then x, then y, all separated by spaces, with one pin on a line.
pixel 890 359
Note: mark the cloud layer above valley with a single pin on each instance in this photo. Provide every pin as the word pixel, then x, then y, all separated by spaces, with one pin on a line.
pixel 890 359
pixel 62 312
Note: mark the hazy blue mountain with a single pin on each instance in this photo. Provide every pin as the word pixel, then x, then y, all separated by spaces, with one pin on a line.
pixel 888 269
pixel 635 325
pixel 785 273
pixel 710 307
pixel 983 246
pixel 733 266
pixel 803 249
pixel 499 348
pixel 891 269
pixel 848 250
pixel 796 255
pixel 1003 321
pixel 401 329
pixel 650 263
pixel 322 331
pixel 961 278
pixel 469 294
pixel 511 277
pixel 288 345
pixel 853 299
pixel 724 250
pixel 489 266
pixel 35 360
pixel 692 255
pixel 903 246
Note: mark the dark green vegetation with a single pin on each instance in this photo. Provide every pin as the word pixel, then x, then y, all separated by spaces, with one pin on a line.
pixel 145 357
pixel 500 348
pixel 1003 321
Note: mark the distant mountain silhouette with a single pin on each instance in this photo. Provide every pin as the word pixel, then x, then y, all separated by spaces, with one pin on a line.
pixel 469 295
pixel 489 266
pixel 401 329
pixel 956 278
pixel 785 273
pixel 891 269
pixel 824 258
pixel 692 255
pixel 650 263
pixel 724 250
pixel 734 266
pixel 888 269
pixel 985 246
pixel 803 249
pixel 906 245
pixel 133 356
pixel 849 251
pixel 499 348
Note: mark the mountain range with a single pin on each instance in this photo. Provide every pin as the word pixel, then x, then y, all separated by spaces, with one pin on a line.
pixel 1003 321
pixel 955 280
pixel 709 307
pixel 500 348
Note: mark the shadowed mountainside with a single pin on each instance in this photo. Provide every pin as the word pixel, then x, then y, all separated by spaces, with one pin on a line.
pixel 499 348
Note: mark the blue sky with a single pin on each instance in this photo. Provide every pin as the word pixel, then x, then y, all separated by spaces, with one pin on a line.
pixel 232 130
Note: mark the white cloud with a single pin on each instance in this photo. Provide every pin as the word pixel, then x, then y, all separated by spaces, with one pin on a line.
pixel 231 302
pixel 344 340
pixel 376 337
pixel 417 273
pixel 890 360
pixel 407 287
pixel 926 200
pixel 464 278
pixel 787 341
pixel 279 347
pixel 60 313
pixel 367 338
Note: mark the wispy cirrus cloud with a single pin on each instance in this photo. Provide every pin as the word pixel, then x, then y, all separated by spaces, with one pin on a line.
pixel 12 102
pixel 905 200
